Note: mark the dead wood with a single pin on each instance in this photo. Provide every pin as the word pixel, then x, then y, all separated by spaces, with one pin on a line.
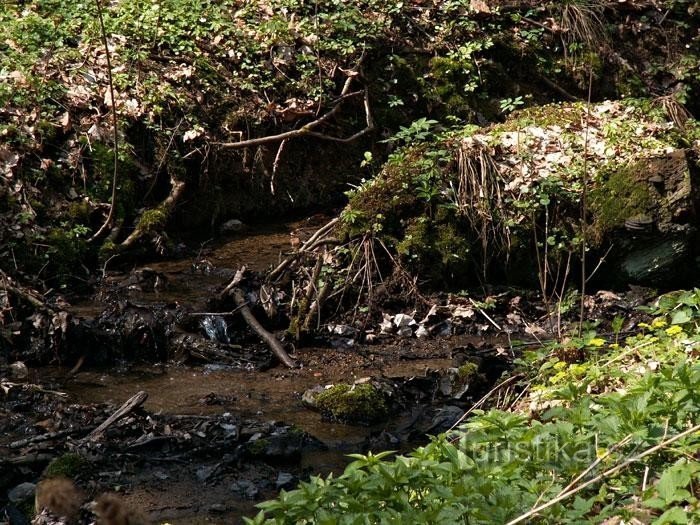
pixel 49 436
pixel 308 129
pixel 266 336
pixel 317 239
pixel 132 403
pixel 166 207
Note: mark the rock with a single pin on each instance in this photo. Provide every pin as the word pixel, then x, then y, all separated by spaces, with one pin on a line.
pixel 216 508
pixel 18 370
pixel 386 327
pixel 404 321
pixel 309 396
pixel 342 343
pixel 444 419
pixel 342 330
pixel 353 404
pixel 22 492
pixel 422 332
pixel 245 488
pixel 283 444
pixel 232 226
pixel 406 331
pixel 206 472
pixel 285 481
pixel 659 262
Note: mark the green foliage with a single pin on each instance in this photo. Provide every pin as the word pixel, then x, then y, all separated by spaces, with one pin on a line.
pixel 588 418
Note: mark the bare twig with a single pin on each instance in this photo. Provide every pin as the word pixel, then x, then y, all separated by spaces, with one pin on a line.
pixel 308 129
pixel 584 200
pixel 112 205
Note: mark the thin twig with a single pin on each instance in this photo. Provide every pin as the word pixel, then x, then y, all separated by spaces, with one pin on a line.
pixel 584 200
pixel 112 205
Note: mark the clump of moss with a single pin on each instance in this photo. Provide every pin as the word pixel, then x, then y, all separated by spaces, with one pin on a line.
pixel 357 404
pixel 621 195
pixel 68 465
pixel 152 220
pixel 468 371
pixel 80 211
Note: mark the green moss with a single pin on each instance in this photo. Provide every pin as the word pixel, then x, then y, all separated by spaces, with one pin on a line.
pixel 152 220
pixel 80 211
pixel 47 129
pixel 66 250
pixel 359 404
pixel 68 465
pixel 623 193
pixel 257 447
pixel 107 249
pixel 468 371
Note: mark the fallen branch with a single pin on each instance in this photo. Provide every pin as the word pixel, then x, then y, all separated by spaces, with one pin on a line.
pixel 266 336
pixel 44 437
pixel 26 296
pixel 132 403
pixel 166 207
pixel 481 311
pixel 308 129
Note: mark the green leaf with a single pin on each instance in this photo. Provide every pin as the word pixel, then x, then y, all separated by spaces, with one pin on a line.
pixel 681 316
pixel 673 515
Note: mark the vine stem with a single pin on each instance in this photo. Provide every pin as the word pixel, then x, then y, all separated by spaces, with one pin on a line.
pixel 110 215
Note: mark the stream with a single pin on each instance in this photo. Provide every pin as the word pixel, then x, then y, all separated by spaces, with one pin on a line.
pixel 260 403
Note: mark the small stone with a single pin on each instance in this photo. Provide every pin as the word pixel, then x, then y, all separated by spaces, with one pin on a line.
pixel 404 321
pixel 206 472
pixel 232 226
pixel 22 492
pixel 285 480
pixel 216 508
pixel 422 332
pixel 245 488
pixel 406 331
pixel 18 370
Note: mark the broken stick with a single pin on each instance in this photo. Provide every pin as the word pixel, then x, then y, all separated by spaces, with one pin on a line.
pixel 266 336
pixel 133 402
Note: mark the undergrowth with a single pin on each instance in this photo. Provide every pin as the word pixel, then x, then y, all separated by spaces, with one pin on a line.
pixel 605 437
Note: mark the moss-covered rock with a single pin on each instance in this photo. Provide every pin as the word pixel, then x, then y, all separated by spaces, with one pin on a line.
pixel 354 404
pixel 475 200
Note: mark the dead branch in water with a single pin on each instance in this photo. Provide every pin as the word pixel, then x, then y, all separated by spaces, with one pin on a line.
pixel 266 336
